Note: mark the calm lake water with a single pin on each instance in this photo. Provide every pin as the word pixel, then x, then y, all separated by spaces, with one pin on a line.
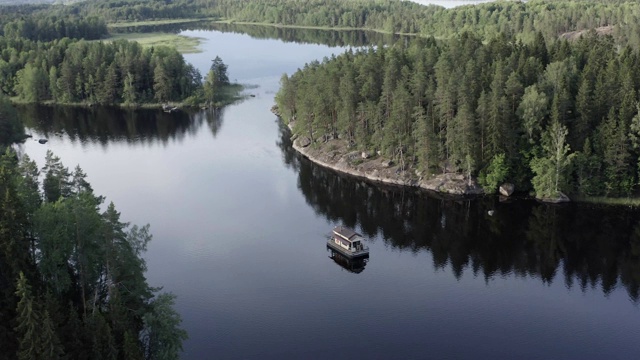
pixel 240 225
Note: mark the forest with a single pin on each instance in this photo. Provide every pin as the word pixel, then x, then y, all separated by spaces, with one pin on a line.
pixel 559 119
pixel 39 43
pixel 72 282
pixel 522 20
pixel 77 71
pixel 54 54
pixel 493 91
pixel 122 72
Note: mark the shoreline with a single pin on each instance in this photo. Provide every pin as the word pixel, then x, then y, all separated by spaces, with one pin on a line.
pixel 235 94
pixel 377 169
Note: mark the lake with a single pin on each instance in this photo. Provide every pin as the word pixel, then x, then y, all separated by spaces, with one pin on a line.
pixel 240 224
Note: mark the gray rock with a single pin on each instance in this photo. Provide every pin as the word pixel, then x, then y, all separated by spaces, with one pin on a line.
pixel 43 141
pixel 452 183
pixel 304 142
pixel 560 198
pixel 507 189
pixel 366 155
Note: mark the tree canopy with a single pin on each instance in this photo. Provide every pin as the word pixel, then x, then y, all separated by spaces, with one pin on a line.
pixel 71 275
pixel 552 119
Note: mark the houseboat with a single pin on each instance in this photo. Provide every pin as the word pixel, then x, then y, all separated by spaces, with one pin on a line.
pixel 347 242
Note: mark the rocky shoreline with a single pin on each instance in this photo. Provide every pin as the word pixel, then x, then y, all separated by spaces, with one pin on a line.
pixel 334 154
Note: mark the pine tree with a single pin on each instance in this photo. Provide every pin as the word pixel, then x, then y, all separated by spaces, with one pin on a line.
pixel 51 348
pixel 14 220
pixel 615 147
pixel 129 94
pixel 585 110
pixel 56 181
pixel 131 349
pixel 161 83
pixel 29 322
pixel 219 70
pixel 102 341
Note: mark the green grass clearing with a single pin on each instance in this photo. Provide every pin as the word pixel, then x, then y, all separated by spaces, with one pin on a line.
pixel 184 44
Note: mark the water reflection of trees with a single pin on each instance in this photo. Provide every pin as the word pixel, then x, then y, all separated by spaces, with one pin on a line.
pixel 340 38
pixel 108 125
pixel 589 246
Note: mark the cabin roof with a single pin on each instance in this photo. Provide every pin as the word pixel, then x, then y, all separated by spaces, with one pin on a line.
pixel 345 232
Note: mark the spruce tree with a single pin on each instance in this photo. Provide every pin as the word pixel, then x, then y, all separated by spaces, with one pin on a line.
pixel 29 322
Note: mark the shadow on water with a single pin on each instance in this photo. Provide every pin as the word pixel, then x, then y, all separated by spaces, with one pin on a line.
pixel 587 246
pixel 106 125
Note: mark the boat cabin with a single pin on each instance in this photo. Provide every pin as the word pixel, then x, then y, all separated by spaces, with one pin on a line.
pixel 347 239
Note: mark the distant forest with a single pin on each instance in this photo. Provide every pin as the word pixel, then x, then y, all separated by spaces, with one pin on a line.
pixel 521 20
pixel 77 71
pixel 35 56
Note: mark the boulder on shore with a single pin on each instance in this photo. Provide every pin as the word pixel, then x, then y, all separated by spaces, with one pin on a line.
pixel 304 142
pixel 560 198
pixel 452 183
pixel 507 189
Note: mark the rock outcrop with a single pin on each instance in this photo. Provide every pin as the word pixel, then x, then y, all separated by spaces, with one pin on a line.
pixel 507 189
pixel 336 154
pixel 560 198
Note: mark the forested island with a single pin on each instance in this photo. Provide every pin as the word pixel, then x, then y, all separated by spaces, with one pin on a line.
pixel 70 71
pixel 51 56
